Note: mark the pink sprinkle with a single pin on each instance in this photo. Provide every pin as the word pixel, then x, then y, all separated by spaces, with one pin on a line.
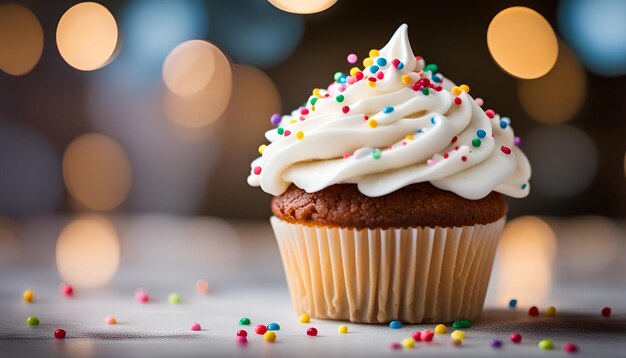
pixel 490 113
pixel 342 88
pixel 505 150
pixel 417 58
pixel 479 102
pixel 345 109
pixel 67 290
pixel 380 75
pixel 110 320
pixel 346 155
pixel 257 170
pixel 195 327
pixel 388 147
pixel 417 335
pixel 403 142
pixel 570 347
pixel 304 111
pixel 287 133
pixel 302 118
pixel 142 296
pixel 430 162
pixel 242 340
pixel 352 58
pixel 350 80
pixel 517 140
pixel 395 62
pixel 395 345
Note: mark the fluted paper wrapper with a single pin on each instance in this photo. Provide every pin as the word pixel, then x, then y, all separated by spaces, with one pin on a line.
pixel 379 275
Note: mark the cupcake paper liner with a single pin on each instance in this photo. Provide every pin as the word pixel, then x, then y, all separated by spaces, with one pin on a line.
pixel 413 275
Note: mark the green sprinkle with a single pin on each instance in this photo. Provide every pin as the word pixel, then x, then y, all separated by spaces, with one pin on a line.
pixel 546 344
pixel 432 68
pixel 244 321
pixel 426 91
pixel 337 75
pixel 313 101
pixel 339 98
pixel 476 142
pixel 32 321
pixel 376 153
pixel 280 130
pixel 175 298
pixel 457 324
pixel 466 323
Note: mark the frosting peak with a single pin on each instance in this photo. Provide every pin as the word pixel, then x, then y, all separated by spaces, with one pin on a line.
pixel 395 122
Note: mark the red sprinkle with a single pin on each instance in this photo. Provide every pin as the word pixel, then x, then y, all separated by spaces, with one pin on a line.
pixel 570 347
pixel 358 76
pixel 427 335
pixel 304 111
pixel 395 62
pixel 372 79
pixel 346 155
pixel 490 113
pixel 417 58
pixel 59 333
pixel 366 117
pixel 345 109
pixel 287 133
pixel 257 170
pixel 458 100
pixel 463 158
pixel 516 338
pixel 533 311
pixel 606 311
pixel 453 139
pixel 505 149
pixel 311 332
pixel 302 118
pixel 260 329
pixel 456 147
pixel 438 88
pixel 242 333
pixel 67 290
pixel 417 336
pixel 380 75
pixel 445 156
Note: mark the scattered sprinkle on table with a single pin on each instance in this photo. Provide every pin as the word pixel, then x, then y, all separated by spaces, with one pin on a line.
pixel 304 318
pixel 408 343
pixel 551 311
pixel 427 335
pixel 202 286
pixel 260 329
pixel 110 320
pixel 512 303
pixel 395 345
pixel 570 348
pixel 195 326
pixel 32 321
pixel 441 329
pixel 462 323
pixel 174 298
pixel 245 321
pixel 606 311
pixel 273 327
pixel 66 290
pixel 546 344
pixel 395 324
pixel 457 334
pixel 269 336
pixel 533 311
pixel 242 333
pixel 311 332
pixel 495 343
pixel 59 333
pixel 142 296
pixel 343 329
pixel 417 336
pixel 516 338
pixel 28 296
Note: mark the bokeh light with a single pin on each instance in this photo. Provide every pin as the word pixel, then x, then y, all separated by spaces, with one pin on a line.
pixel 30 171
pixel 559 95
pixel 597 32
pixel 264 36
pixel 522 42
pixel 97 171
pixel 200 79
pixel 303 7
pixel 153 28
pixel 564 158
pixel 87 36
pixel 21 39
pixel 524 261
pixel 88 252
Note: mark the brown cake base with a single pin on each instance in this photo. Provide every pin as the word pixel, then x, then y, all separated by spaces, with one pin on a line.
pixel 416 205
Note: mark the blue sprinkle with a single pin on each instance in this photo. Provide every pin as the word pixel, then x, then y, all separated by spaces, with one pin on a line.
pixel 419 131
pixel 513 301
pixel 436 78
pixel 400 65
pixel 432 120
pixel 523 186
pixel 506 119
pixel 374 68
pixel 342 79
pixel 388 109
pixel 481 133
pixel 273 327
pixel 503 124
pixel 395 324
pixel 381 62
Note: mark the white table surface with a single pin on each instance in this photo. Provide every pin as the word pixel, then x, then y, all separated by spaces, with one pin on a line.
pixel 242 264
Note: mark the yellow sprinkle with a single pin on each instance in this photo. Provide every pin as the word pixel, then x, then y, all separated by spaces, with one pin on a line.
pixel 374 53
pixel 441 329
pixel 457 342
pixel 551 311
pixel 367 62
pixel 312 108
pixel 343 329
pixel 457 335
pixel 372 123
pixel 316 93
pixel 372 84
pixel 456 91
pixel 304 318
pixel 262 148
pixel 406 79
pixel 408 343
pixel 354 70
pixel 269 336
pixel 465 88
pixel 28 296
pixel 300 135
pixel 292 121
pixel 409 137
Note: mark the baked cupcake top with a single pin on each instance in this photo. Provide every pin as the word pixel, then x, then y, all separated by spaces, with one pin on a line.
pixel 394 123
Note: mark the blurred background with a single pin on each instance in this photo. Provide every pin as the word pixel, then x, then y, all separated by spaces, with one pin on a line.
pixel 152 111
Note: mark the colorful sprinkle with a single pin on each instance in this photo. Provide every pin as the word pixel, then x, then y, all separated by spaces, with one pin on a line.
pixel 257 170
pixel 287 133
pixel 311 332
pixel 380 75
pixel 476 142
pixel 142 296
pixel 275 119
pixel 174 298
pixel 436 78
pixel 456 90
pixel 376 153
pixel 28 296
pixel 406 79
pixel 441 329
pixel 408 343
pixel 388 109
pixel 261 150
pixel 395 324
pixel 523 186
pixel 533 311
pixel 464 158
pixel 417 336
pixel 457 342
pixel 339 98
pixel 59 333
pixel 352 58
pixel 273 327
pixel 367 62
pixel 195 326
pixel 342 329
pixel 432 120
pixel 260 329
pixel 495 343
pixel 304 111
pixel 427 335
pixel 269 336
pixel 432 68
pixel 454 139
pixel 242 333
pixel 110 320
pixel 481 133
pixel 426 91
pixel 32 321
pixel 304 318
pixel 606 311
pixel 464 88
pixel 570 348
pixel 371 83
pixel 66 289
pixel 505 149
pixel 551 311
pixel 245 321
pixel 517 140
pixel 458 101
pixel 512 303
pixel 242 340
pixel 300 135
pixel 516 338
pixel 338 75
pixel 395 345
pixel 374 69
pixel 462 323
pixel 354 71
pixel 381 62
pixel 280 130
pixel 503 124
pixel 457 335
pixel 374 53
pixel 546 344
pixel 490 113
pixel 372 123
pixel 479 102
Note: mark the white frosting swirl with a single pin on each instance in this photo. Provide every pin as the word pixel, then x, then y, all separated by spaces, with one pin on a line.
pixel 390 134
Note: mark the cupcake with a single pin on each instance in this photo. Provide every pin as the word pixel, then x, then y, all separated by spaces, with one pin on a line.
pixel 388 191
